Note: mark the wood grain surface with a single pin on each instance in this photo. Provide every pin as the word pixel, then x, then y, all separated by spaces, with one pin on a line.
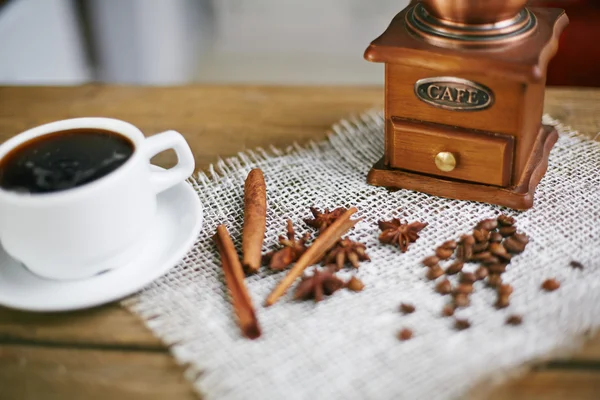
pixel 107 353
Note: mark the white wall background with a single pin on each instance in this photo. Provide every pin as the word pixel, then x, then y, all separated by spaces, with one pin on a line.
pixel 40 43
pixel 181 41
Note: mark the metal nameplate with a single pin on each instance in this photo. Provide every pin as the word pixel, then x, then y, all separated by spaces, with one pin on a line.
pixel 454 94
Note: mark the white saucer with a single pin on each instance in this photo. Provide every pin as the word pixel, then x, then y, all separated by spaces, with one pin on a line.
pixel 177 223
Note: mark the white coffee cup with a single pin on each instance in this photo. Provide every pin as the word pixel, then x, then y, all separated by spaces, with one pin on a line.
pixel 79 232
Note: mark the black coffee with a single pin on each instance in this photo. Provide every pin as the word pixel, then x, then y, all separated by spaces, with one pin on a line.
pixel 63 160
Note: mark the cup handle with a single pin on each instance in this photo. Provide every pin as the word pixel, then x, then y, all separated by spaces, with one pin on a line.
pixel 162 180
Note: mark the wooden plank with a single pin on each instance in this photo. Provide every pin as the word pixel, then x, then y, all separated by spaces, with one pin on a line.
pixel 110 325
pixel 548 385
pixel 590 351
pixel 216 120
pixel 578 108
pixel 32 373
pixel 223 120
pixel 58 373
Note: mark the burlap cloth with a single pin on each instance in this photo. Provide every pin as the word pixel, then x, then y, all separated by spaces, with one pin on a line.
pixel 346 347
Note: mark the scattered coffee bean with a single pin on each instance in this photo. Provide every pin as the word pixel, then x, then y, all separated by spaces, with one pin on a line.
pixel 430 261
pixel 467 277
pixel 507 230
pixel 481 273
pixel 514 320
pixel 405 334
pixel 494 280
pixel 487 224
pixel 498 268
pixel 444 287
pixel 576 265
pixel 512 245
pixel 499 251
pixel 465 250
pixel 434 272
pixel 464 288
pixel 484 255
pixel 461 324
pixel 355 284
pixel 490 260
pixel 550 285
pixel 467 239
pixel 455 267
pixel 443 253
pixel 461 300
pixel 481 235
pixel 521 238
pixel 495 237
pixel 407 308
pixel 505 220
pixel 448 310
pixel 505 289
pixel 502 301
pixel 449 244
pixel 480 247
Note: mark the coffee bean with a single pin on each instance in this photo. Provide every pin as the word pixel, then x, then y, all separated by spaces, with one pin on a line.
pixel 455 267
pixel 514 320
pixel 461 324
pixel 521 238
pixel 481 256
pixel 355 284
pixel 507 230
pixel 494 280
pixel 513 245
pixel 461 300
pixel 490 260
pixel 405 334
pixel 505 289
pixel 464 288
pixel 505 220
pixel 576 265
pixel 487 224
pixel 407 308
pixel 499 251
pixel 449 244
pixel 550 285
pixel 434 272
pixel 480 247
pixel 502 301
pixel 481 235
pixel 498 268
pixel 443 253
pixel 467 277
pixel 430 261
pixel 443 287
pixel 448 310
pixel 467 239
pixel 481 273
pixel 495 237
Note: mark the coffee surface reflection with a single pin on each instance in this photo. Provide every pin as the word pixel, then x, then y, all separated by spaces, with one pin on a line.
pixel 63 160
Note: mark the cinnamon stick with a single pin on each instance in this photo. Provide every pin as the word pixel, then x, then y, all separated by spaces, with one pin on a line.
pixel 326 239
pixel 234 278
pixel 255 219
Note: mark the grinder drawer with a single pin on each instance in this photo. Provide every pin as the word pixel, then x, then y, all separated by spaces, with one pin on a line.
pixel 451 152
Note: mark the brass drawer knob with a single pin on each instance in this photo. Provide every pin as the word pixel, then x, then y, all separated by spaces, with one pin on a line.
pixel 445 161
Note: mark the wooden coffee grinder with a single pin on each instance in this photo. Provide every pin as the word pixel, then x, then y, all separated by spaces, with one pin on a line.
pixel 464 95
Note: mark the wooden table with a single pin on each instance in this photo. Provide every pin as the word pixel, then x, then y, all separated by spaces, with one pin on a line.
pixel 106 353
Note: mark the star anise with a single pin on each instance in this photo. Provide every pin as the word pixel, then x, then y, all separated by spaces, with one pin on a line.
pixel 291 251
pixel 345 251
pixel 323 219
pixel 401 233
pixel 319 284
